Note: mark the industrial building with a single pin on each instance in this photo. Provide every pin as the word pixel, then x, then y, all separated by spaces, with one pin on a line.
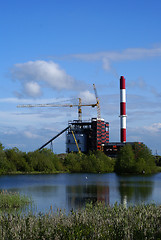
pixel 91 135
pixel 94 135
pixel 84 136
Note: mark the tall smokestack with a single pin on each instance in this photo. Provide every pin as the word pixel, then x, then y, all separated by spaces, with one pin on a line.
pixel 123 109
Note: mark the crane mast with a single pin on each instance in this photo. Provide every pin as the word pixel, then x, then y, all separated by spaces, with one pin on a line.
pixel 80 105
pixel 80 110
pixel 98 103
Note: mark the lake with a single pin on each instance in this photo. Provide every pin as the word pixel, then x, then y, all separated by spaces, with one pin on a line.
pixel 72 191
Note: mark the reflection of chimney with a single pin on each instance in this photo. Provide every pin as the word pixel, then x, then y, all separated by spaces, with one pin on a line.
pixel 103 194
pixel 123 109
pixel 125 201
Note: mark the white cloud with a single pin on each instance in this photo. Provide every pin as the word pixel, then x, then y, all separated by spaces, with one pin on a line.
pixel 106 64
pixel 115 56
pixel 127 54
pixel 154 128
pixel 32 89
pixel 31 135
pixel 33 101
pixel 140 83
pixel 9 100
pixel 155 92
pixel 87 97
pixel 33 74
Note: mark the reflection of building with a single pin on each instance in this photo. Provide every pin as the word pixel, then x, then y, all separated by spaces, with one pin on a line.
pixel 103 194
pixel 79 195
pixel 134 191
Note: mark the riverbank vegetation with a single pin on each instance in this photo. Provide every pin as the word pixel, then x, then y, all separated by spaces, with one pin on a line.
pixel 94 222
pixel 94 162
pixel 45 161
pixel 13 200
pixel 131 159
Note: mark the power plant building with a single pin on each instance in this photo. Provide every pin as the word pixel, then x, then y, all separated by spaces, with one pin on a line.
pixel 84 136
pixel 90 135
pixel 94 135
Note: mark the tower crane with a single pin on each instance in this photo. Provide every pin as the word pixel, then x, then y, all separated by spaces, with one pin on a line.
pixel 97 102
pixel 80 105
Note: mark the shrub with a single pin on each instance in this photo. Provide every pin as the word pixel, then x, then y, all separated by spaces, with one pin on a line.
pixel 73 162
pixel 125 160
pixel 135 159
pixel 145 161
pixel 41 161
pixel 94 162
pixel 17 160
pixel 5 165
pixel 10 200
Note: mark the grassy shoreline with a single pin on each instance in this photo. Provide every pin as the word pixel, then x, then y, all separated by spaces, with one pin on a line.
pixel 13 200
pixel 158 170
pixel 32 173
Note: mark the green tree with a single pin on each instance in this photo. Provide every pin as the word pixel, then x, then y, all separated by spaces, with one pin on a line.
pixel 32 160
pixel 41 161
pixel 141 165
pixel 105 163
pixel 89 163
pixel 125 162
pixel 17 160
pixel 145 161
pixel 136 158
pixel 73 162
pixel 4 164
pixel 57 162
pixel 94 162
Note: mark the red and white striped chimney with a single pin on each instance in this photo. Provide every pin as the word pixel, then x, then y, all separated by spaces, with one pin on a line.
pixel 123 109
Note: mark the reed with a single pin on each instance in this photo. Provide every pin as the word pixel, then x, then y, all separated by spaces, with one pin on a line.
pixel 93 222
pixel 11 200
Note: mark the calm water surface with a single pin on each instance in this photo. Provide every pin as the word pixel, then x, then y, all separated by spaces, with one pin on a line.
pixel 71 191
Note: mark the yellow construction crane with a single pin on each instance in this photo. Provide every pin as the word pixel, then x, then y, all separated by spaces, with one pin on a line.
pixel 76 142
pixel 80 105
pixel 98 103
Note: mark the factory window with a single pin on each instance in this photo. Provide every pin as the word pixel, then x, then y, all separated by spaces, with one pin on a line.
pixel 68 140
pixel 78 141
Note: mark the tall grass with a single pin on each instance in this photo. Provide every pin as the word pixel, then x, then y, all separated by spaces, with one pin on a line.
pixel 93 222
pixel 11 200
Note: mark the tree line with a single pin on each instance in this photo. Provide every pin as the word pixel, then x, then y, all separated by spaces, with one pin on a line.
pixel 131 159
pixel 45 161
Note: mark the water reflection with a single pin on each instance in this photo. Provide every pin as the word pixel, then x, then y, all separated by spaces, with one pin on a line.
pixel 72 191
pixel 43 197
pixel 38 191
pixel 78 195
pixel 134 192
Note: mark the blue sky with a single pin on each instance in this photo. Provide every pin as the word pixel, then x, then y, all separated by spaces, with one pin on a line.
pixel 53 51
